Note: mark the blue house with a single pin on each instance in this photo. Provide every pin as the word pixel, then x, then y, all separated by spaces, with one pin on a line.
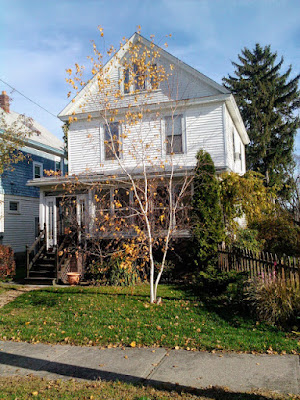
pixel 19 204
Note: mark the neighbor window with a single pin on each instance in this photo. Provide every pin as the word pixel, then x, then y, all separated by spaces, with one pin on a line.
pixel 173 127
pixel 14 207
pixel 37 170
pixel 57 166
pixel 111 141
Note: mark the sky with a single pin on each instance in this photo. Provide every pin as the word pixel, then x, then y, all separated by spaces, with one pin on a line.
pixel 39 40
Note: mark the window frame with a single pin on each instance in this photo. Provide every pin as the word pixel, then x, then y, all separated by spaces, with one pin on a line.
pixel 18 210
pixel 105 127
pixel 182 125
pixel 37 164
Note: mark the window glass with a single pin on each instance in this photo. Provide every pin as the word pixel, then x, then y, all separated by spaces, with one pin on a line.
pixel 140 79
pixel 37 170
pixel 14 206
pixel 111 141
pixel 126 81
pixel 174 134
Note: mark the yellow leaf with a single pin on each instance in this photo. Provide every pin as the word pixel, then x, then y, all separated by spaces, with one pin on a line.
pixel 133 344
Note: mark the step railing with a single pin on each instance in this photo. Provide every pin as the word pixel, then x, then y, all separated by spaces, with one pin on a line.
pixel 62 251
pixel 36 249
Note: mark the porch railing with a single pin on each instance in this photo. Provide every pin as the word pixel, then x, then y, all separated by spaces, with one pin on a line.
pixel 36 249
pixel 62 251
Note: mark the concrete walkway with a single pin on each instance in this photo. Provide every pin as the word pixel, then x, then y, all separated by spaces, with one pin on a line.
pixel 237 372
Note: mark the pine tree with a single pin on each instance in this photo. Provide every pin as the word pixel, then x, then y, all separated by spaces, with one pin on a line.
pixel 267 100
pixel 208 227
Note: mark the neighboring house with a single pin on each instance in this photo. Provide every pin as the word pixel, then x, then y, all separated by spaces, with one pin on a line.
pixel 19 203
pixel 207 118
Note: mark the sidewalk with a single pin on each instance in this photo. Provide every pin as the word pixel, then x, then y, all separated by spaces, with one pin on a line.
pixel 237 372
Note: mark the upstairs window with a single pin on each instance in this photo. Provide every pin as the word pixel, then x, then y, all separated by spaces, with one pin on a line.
pixel 57 166
pixel 139 78
pixel 126 81
pixel 111 141
pixel 173 127
pixel 37 170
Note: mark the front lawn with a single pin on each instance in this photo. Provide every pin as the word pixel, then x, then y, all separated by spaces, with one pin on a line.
pixel 109 316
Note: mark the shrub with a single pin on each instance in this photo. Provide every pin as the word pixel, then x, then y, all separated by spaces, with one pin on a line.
pixel 274 300
pixel 214 282
pixel 7 262
pixel 248 239
pixel 208 227
pixel 114 272
pixel 279 233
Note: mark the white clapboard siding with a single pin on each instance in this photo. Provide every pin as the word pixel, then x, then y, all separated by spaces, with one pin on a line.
pixel 84 147
pixel 203 129
pixel 235 165
pixel 180 85
pixel 19 229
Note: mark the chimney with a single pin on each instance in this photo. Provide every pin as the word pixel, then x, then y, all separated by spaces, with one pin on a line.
pixel 4 101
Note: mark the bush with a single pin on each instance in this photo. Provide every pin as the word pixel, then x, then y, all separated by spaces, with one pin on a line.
pixel 274 300
pixel 7 262
pixel 279 233
pixel 114 272
pixel 248 239
pixel 214 282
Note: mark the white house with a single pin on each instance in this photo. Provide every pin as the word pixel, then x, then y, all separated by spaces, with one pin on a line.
pixel 204 115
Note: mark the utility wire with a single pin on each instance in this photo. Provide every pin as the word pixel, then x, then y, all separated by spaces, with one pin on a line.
pixel 15 90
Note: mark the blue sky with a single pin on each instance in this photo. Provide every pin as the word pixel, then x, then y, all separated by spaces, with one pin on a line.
pixel 40 39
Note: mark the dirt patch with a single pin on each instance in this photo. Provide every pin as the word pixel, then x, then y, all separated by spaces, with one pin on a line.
pixel 10 295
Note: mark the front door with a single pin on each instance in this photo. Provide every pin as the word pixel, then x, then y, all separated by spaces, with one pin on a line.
pixel 51 221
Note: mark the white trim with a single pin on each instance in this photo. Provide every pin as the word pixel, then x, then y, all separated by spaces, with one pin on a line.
pixel 224 135
pixel 1 212
pixel 18 210
pixel 37 164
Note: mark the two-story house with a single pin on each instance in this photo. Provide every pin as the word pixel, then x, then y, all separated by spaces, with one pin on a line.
pixel 19 203
pixel 185 112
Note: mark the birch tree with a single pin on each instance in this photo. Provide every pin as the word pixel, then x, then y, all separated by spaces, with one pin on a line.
pixel 142 206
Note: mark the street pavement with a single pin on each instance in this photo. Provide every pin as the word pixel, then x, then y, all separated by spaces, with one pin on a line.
pixel 235 372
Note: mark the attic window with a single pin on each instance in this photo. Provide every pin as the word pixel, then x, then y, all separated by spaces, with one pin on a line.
pixel 126 81
pixel 139 78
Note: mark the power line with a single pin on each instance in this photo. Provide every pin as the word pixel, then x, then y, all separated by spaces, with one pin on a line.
pixel 15 90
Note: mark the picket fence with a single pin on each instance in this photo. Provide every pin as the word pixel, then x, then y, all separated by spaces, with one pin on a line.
pixel 262 264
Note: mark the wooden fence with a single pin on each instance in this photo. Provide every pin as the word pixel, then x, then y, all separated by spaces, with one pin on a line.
pixel 265 265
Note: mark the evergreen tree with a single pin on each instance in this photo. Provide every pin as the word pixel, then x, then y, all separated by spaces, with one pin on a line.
pixel 208 227
pixel 267 100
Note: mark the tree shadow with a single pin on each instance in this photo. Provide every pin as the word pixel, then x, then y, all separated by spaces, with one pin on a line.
pixel 63 370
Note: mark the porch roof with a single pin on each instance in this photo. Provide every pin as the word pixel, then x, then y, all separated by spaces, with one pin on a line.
pixel 109 177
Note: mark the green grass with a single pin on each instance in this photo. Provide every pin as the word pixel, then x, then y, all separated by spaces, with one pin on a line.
pixel 36 388
pixel 110 316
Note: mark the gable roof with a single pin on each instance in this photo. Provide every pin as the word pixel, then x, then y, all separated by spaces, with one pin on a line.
pixel 38 135
pixel 71 106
